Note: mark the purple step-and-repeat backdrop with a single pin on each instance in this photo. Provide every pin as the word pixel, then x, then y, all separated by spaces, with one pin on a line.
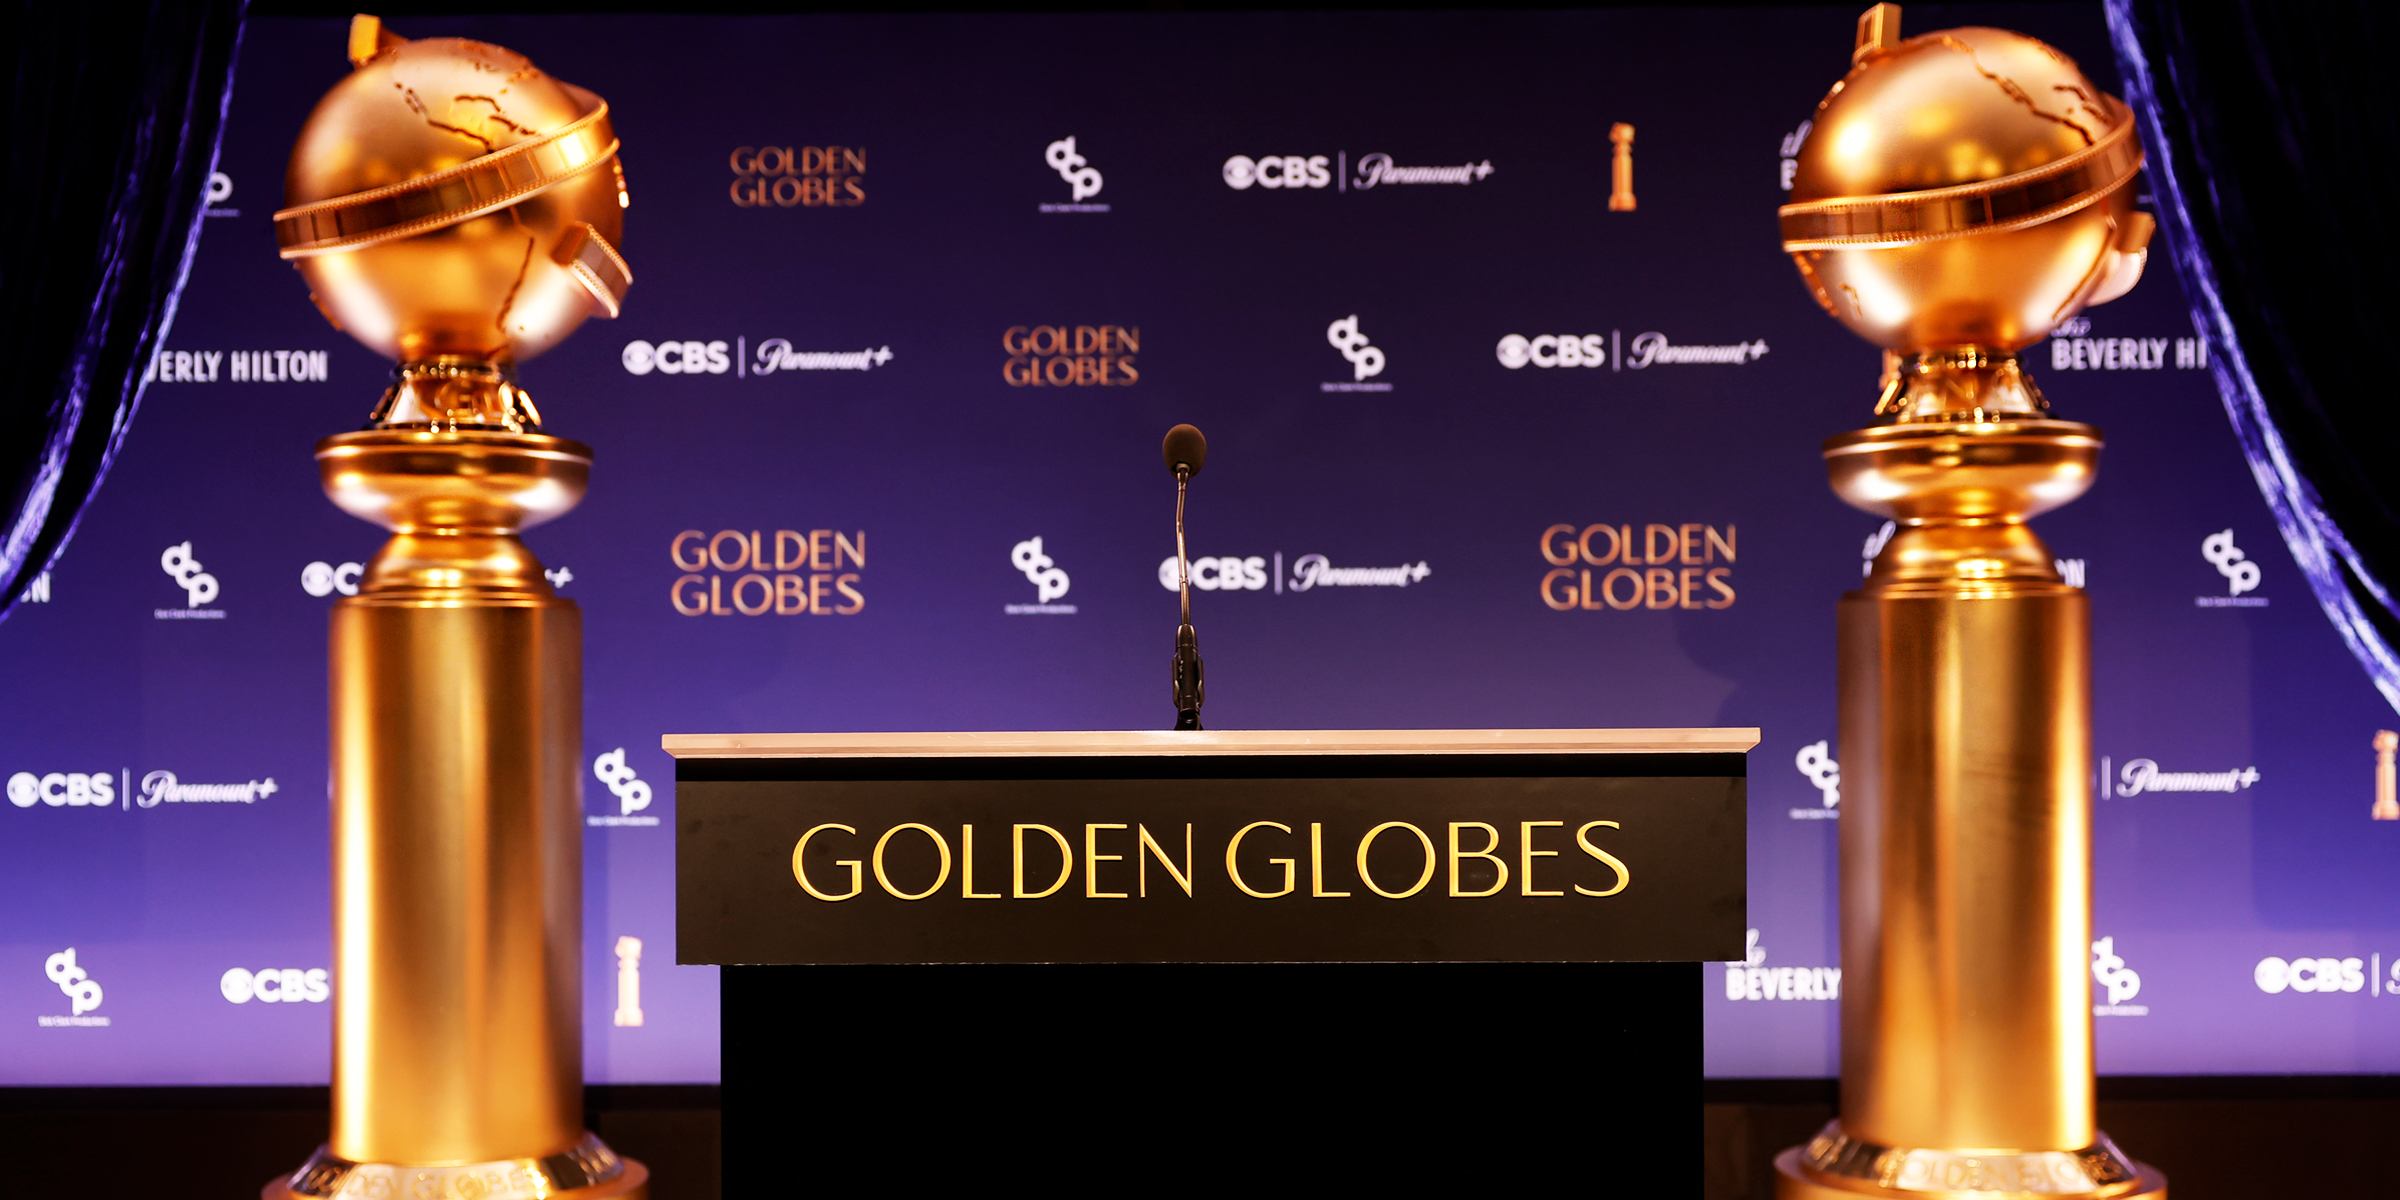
pixel 878 450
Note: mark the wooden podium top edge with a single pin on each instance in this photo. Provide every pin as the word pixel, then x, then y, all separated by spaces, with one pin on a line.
pixel 1213 741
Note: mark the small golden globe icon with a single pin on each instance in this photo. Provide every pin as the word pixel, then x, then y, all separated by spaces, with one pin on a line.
pixel 456 209
pixel 1959 195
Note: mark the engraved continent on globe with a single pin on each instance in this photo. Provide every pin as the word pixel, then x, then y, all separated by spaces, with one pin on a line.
pixel 455 208
pixel 1962 192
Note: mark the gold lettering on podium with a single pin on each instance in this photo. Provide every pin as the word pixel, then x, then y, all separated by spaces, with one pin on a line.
pixel 800 872
pixel 1066 864
pixel 1234 870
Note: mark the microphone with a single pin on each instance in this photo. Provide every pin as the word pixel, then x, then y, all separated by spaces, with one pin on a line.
pixel 1185 451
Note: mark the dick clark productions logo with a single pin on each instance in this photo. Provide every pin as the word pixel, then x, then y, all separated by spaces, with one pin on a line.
pixel 1365 361
pixel 198 586
pixel 1081 176
pixel 82 991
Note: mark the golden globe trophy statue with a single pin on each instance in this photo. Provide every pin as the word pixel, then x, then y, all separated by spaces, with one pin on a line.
pixel 458 210
pixel 1961 193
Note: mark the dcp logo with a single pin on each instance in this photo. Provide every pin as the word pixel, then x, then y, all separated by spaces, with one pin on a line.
pixel 2241 575
pixel 1365 361
pixel 1553 350
pixel 2109 971
pixel 289 985
pixel 1277 171
pixel 83 991
pixel 633 795
pixel 324 579
pixel 676 358
pixel 1048 579
pixel 199 586
pixel 1816 763
pixel 1084 179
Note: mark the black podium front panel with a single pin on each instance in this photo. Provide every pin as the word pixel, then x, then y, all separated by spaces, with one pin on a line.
pixel 1334 1079
pixel 1333 971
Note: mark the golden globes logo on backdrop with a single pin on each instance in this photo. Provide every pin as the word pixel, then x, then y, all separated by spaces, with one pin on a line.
pixel 1071 355
pixel 798 176
pixel 753 574
pixel 1666 566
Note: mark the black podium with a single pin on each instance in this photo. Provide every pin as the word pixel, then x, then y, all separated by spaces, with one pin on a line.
pixel 1158 961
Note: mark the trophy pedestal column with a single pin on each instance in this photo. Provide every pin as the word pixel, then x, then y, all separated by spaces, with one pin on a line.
pixel 1966 831
pixel 457 702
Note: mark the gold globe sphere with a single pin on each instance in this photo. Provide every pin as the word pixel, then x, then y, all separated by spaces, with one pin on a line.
pixel 453 207
pixel 1964 190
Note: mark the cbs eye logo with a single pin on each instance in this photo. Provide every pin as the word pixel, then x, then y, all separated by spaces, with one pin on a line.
pixel 676 358
pixel 1277 171
pixel 289 985
pixel 60 789
pixel 1553 350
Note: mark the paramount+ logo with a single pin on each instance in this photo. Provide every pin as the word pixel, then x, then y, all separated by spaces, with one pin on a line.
pixel 798 177
pixel 1071 355
pixel 1668 566
pixel 751 574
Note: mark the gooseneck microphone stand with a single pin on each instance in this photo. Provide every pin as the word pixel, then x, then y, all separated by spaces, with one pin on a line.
pixel 1185 450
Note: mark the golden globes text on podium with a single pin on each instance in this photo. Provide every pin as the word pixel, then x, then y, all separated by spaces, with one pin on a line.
pixel 1960 194
pixel 457 209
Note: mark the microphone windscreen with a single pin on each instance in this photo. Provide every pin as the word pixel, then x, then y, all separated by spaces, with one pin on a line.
pixel 1185 449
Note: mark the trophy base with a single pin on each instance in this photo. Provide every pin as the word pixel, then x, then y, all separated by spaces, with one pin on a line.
pixel 1980 1181
pixel 588 1171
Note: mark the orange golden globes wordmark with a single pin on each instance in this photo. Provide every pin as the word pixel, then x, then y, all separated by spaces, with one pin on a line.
pixel 1667 566
pixel 1475 872
pixel 1070 355
pixel 748 573
pixel 798 177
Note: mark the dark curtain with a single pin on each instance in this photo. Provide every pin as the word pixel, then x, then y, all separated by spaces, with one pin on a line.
pixel 112 115
pixel 2272 136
